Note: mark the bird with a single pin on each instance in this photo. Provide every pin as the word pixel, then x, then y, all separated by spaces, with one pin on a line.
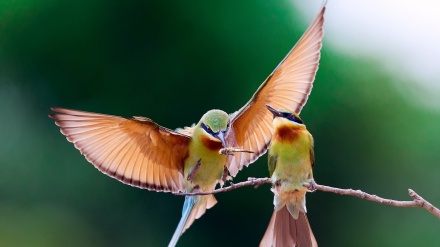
pixel 141 153
pixel 291 159
pixel 290 162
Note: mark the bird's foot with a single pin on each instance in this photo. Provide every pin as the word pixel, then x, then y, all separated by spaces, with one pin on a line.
pixel 193 172
pixel 225 176
pixel 223 181
pixel 310 185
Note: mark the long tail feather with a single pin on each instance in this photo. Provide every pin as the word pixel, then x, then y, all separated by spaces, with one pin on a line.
pixel 188 206
pixel 202 203
pixel 193 208
pixel 284 230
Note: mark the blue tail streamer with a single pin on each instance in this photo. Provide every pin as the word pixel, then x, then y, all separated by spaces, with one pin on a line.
pixel 188 205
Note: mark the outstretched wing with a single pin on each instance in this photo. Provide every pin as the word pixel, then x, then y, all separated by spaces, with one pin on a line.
pixel 134 151
pixel 288 87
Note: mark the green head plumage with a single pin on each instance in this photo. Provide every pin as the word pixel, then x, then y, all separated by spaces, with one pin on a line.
pixel 216 124
pixel 216 120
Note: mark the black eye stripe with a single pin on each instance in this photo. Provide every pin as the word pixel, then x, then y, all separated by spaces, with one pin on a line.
pixel 292 117
pixel 207 129
pixel 297 120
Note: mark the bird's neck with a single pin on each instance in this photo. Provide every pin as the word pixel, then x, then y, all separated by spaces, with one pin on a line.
pixel 206 141
pixel 285 133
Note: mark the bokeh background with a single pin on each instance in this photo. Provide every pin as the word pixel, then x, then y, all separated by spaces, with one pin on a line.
pixel 376 126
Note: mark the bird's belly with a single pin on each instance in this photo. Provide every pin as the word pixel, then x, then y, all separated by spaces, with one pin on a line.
pixel 209 172
pixel 289 177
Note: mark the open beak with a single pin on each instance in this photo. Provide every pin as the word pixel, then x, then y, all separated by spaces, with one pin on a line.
pixel 274 111
pixel 221 137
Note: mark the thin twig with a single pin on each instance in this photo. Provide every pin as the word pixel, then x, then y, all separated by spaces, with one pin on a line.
pixel 251 182
pixel 417 201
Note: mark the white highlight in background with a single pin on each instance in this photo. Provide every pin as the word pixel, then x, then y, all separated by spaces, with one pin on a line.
pixel 403 35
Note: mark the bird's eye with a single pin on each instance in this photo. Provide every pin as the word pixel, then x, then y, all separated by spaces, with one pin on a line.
pixel 287 115
pixel 295 119
pixel 207 129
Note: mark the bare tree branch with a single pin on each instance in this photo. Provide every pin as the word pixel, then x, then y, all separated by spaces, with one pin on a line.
pixel 417 201
pixel 256 182
pixel 424 203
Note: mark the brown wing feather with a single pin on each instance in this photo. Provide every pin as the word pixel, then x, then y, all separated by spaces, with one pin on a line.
pixel 288 87
pixel 134 151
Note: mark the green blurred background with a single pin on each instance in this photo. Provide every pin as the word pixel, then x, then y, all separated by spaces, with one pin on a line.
pixel 172 61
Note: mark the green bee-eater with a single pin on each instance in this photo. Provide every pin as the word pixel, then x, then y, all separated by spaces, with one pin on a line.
pixel 140 153
pixel 291 160
pixel 290 163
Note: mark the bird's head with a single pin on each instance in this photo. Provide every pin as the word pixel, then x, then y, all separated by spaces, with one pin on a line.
pixel 285 117
pixel 215 123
